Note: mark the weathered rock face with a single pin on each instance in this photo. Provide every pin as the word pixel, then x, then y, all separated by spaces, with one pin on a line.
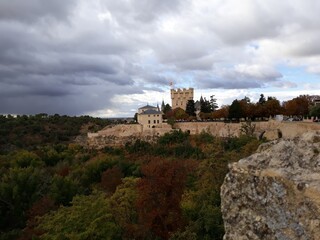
pixel 275 193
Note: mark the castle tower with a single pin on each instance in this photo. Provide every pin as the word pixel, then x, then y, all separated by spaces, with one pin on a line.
pixel 180 97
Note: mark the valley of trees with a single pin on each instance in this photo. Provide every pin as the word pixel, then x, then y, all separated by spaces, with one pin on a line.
pixel 299 107
pixel 53 188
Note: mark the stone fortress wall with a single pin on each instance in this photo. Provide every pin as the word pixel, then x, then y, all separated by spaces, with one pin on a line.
pixel 120 134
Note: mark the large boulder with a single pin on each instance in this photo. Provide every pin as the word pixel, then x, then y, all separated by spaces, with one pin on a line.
pixel 275 193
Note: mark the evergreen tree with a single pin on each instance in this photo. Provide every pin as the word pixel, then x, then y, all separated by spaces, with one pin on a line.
pixel 135 117
pixel 205 106
pixel 162 106
pixel 166 111
pixel 190 108
pixel 246 99
pixel 213 103
pixel 315 111
pixel 167 108
pixel 235 110
pixel 262 99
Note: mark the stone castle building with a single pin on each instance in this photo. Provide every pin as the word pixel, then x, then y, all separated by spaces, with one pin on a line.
pixel 180 97
pixel 149 116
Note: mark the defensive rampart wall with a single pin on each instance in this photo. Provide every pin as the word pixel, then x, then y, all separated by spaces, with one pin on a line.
pixel 120 134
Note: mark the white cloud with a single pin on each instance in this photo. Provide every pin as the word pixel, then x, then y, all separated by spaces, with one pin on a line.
pixel 256 71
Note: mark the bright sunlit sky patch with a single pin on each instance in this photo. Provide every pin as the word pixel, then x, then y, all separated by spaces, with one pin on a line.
pixel 106 58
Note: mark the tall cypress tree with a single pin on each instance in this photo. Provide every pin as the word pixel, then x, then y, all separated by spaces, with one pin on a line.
pixel 235 110
pixel 205 106
pixel 213 103
pixel 190 108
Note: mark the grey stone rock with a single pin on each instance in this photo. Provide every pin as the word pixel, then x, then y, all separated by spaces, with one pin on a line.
pixel 275 193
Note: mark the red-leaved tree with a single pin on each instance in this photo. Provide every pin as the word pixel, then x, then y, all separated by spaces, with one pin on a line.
pixel 160 192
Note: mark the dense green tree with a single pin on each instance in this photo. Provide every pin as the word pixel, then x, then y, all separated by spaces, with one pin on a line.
pixel 94 169
pixel 315 111
pixel 23 159
pixel 62 190
pixel 171 121
pixel 213 103
pixel 123 207
pixel 205 106
pixel 27 131
pixel 202 204
pixel 166 110
pixel 50 156
pixel 19 189
pixel 41 207
pixel 235 111
pixel 138 146
pixel 190 108
pixel 173 138
pixel 89 217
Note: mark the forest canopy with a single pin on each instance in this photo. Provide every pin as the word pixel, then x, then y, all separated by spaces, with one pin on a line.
pixel 53 188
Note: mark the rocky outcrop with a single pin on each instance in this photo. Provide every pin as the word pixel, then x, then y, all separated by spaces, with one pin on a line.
pixel 275 193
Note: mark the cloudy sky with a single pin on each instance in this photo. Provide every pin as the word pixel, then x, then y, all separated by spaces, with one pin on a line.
pixel 108 57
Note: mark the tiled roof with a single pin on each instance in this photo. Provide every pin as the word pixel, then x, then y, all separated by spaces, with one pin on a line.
pixel 147 106
pixel 151 111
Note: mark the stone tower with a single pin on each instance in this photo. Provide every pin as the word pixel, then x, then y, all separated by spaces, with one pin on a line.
pixel 180 97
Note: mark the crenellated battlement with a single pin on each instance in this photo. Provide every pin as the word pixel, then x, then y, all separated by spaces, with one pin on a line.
pixel 181 90
pixel 180 97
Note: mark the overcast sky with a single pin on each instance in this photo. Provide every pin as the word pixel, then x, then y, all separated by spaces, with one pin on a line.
pixel 108 57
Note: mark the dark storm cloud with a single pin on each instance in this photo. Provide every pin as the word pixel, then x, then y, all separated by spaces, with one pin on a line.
pixel 33 10
pixel 44 71
pixel 62 99
pixel 48 92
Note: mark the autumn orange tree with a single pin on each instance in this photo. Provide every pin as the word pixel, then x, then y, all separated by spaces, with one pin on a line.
pixel 38 209
pixel 159 194
pixel 298 106
pixel 221 113
pixel 111 178
pixel 272 107
pixel 177 114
